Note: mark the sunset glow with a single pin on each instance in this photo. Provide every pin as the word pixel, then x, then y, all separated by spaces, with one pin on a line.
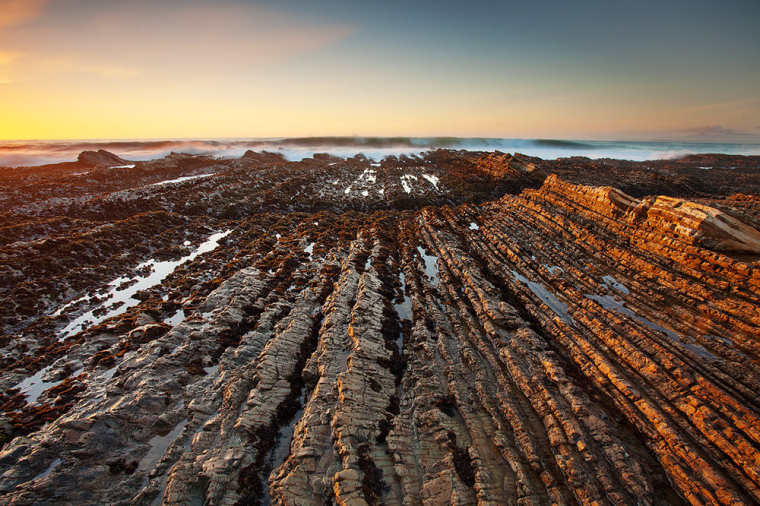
pixel 85 69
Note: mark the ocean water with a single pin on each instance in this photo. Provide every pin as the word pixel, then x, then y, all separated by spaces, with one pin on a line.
pixel 25 153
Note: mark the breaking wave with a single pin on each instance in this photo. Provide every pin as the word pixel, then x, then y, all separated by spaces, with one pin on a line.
pixel 558 143
pixel 25 153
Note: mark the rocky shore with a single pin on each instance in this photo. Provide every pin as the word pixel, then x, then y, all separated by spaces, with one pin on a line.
pixel 452 328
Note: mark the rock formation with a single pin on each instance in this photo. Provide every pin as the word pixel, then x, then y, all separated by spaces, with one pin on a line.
pixel 456 328
pixel 100 158
pixel 688 221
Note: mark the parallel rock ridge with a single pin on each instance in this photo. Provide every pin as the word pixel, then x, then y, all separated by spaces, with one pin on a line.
pixel 497 334
pixel 690 222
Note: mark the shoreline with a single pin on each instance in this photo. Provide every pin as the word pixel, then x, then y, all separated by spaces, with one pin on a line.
pixel 30 153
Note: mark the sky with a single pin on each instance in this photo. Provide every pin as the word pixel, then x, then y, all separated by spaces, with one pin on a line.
pixel 82 69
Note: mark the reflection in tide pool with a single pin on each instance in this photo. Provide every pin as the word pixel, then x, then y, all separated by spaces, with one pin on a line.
pixel 403 311
pixel 33 386
pixel 610 303
pixel 121 299
pixel 181 179
pixel 431 265
pixel 546 297
pixel 158 446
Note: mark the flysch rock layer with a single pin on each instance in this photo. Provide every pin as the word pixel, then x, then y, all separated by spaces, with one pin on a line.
pixel 482 340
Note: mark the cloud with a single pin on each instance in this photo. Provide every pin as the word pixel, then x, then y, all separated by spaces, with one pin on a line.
pixel 703 133
pixel 714 131
pixel 163 39
pixel 63 64
pixel 168 36
pixel 710 133
pixel 722 105
pixel 210 34
pixel 17 12
pixel 113 71
pixel 7 57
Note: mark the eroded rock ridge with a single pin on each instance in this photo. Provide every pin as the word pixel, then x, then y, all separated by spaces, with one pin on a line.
pixel 456 328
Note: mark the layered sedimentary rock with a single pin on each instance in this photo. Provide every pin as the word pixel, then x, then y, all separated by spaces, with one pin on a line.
pixel 690 222
pixel 457 328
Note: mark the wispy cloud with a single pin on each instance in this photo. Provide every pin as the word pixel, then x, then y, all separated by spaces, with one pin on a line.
pixel 722 105
pixel 124 40
pixel 211 34
pixel 112 71
pixel 710 133
pixel 714 131
pixel 17 12
pixel 70 64
pixel 199 33
pixel 718 133
pixel 702 133
pixel 7 57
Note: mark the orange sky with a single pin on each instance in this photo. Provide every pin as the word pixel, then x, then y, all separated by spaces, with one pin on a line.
pixel 244 69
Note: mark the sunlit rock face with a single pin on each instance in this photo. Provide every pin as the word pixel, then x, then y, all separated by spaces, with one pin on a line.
pixel 100 158
pixel 455 328
pixel 690 222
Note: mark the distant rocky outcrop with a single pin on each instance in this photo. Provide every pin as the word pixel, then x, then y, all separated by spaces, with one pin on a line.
pixel 263 157
pixel 100 158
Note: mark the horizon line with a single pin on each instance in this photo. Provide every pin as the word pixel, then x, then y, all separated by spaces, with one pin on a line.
pixel 752 139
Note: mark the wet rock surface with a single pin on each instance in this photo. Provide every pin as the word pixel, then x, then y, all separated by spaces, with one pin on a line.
pixel 454 328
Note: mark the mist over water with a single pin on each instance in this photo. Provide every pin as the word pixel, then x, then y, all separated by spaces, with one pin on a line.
pixel 26 153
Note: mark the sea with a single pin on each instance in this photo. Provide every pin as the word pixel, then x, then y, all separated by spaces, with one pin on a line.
pixel 27 153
